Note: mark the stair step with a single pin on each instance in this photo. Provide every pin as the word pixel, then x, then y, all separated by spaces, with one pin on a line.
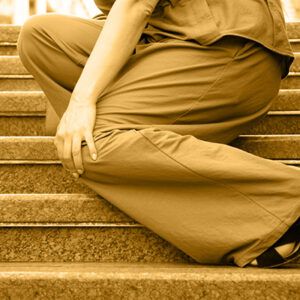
pixel 12 65
pixel 24 159
pixel 292 81
pixel 107 243
pixel 147 281
pixel 60 210
pixel 27 83
pixel 33 103
pixel 10 48
pixel 293 30
pixel 10 33
pixel 30 124
pixel 42 149
pixel 295 43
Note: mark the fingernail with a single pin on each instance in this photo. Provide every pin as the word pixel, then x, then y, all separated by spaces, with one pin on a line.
pixel 80 171
pixel 76 175
pixel 94 156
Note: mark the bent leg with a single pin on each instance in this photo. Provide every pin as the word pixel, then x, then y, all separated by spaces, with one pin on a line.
pixel 216 203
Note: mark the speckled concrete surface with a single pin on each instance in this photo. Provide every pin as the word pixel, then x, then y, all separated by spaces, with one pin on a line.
pixel 8 49
pixel 40 148
pixel 296 45
pixel 43 149
pixel 293 29
pixel 9 33
pixel 145 282
pixel 276 124
pixel 296 64
pixel 58 208
pixel 18 83
pixel 282 147
pixel 11 102
pixel 85 245
pixel 22 126
pixel 22 179
pixel 11 65
pixel 291 82
pixel 287 100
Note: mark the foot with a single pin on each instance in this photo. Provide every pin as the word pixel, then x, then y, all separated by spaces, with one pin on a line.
pixel 284 250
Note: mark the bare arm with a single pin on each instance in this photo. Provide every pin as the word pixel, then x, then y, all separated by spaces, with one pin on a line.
pixel 120 34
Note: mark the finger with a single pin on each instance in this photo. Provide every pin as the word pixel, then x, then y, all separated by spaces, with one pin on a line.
pixel 67 156
pixel 91 145
pixel 76 153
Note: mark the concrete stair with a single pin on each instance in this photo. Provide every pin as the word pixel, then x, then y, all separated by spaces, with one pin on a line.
pixel 59 240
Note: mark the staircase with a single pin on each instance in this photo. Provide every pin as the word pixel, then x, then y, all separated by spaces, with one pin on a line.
pixel 59 240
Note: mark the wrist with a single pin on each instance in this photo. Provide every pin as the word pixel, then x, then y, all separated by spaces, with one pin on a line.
pixel 82 100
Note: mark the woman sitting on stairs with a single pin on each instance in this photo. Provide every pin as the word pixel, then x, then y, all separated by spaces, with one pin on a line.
pixel 147 98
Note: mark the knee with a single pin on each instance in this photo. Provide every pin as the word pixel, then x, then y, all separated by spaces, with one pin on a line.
pixel 33 32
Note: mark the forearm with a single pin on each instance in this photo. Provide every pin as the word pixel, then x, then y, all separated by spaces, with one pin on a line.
pixel 120 34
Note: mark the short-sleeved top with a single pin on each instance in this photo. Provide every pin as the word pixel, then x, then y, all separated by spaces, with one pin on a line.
pixel 206 21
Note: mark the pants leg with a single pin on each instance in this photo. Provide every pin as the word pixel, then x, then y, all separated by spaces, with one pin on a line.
pixel 215 202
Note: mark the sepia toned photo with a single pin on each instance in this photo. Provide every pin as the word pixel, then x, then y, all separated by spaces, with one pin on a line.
pixel 149 149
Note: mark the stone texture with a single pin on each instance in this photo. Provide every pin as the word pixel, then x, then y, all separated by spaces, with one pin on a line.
pixel 275 147
pixel 22 102
pixel 295 67
pixel 35 102
pixel 52 179
pixel 9 33
pixel 58 208
pixel 293 30
pixel 288 100
pixel 285 123
pixel 18 83
pixel 291 82
pixel 22 126
pixel 295 43
pixel 7 48
pixel 11 65
pixel 145 282
pixel 41 149
pixel 86 244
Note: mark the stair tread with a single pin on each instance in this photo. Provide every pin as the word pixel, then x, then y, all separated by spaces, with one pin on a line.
pixel 60 210
pixel 281 146
pixel 12 65
pixel 145 281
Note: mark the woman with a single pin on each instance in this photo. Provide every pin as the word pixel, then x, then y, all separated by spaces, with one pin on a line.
pixel 156 90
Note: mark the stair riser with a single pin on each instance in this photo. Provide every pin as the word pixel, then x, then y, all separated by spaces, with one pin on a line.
pixel 14 84
pixel 12 49
pixel 51 179
pixel 85 245
pixel 291 82
pixel 19 84
pixel 35 102
pixel 40 179
pixel 26 126
pixel 139 283
pixel 296 46
pixel 58 208
pixel 43 149
pixel 35 126
pixel 11 33
pixel 13 65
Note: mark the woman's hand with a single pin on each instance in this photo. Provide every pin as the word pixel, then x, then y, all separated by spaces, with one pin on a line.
pixel 76 124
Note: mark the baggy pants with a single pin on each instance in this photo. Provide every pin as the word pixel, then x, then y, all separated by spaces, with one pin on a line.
pixel 162 129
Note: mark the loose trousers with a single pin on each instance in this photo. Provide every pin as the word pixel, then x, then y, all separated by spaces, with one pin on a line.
pixel 162 132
